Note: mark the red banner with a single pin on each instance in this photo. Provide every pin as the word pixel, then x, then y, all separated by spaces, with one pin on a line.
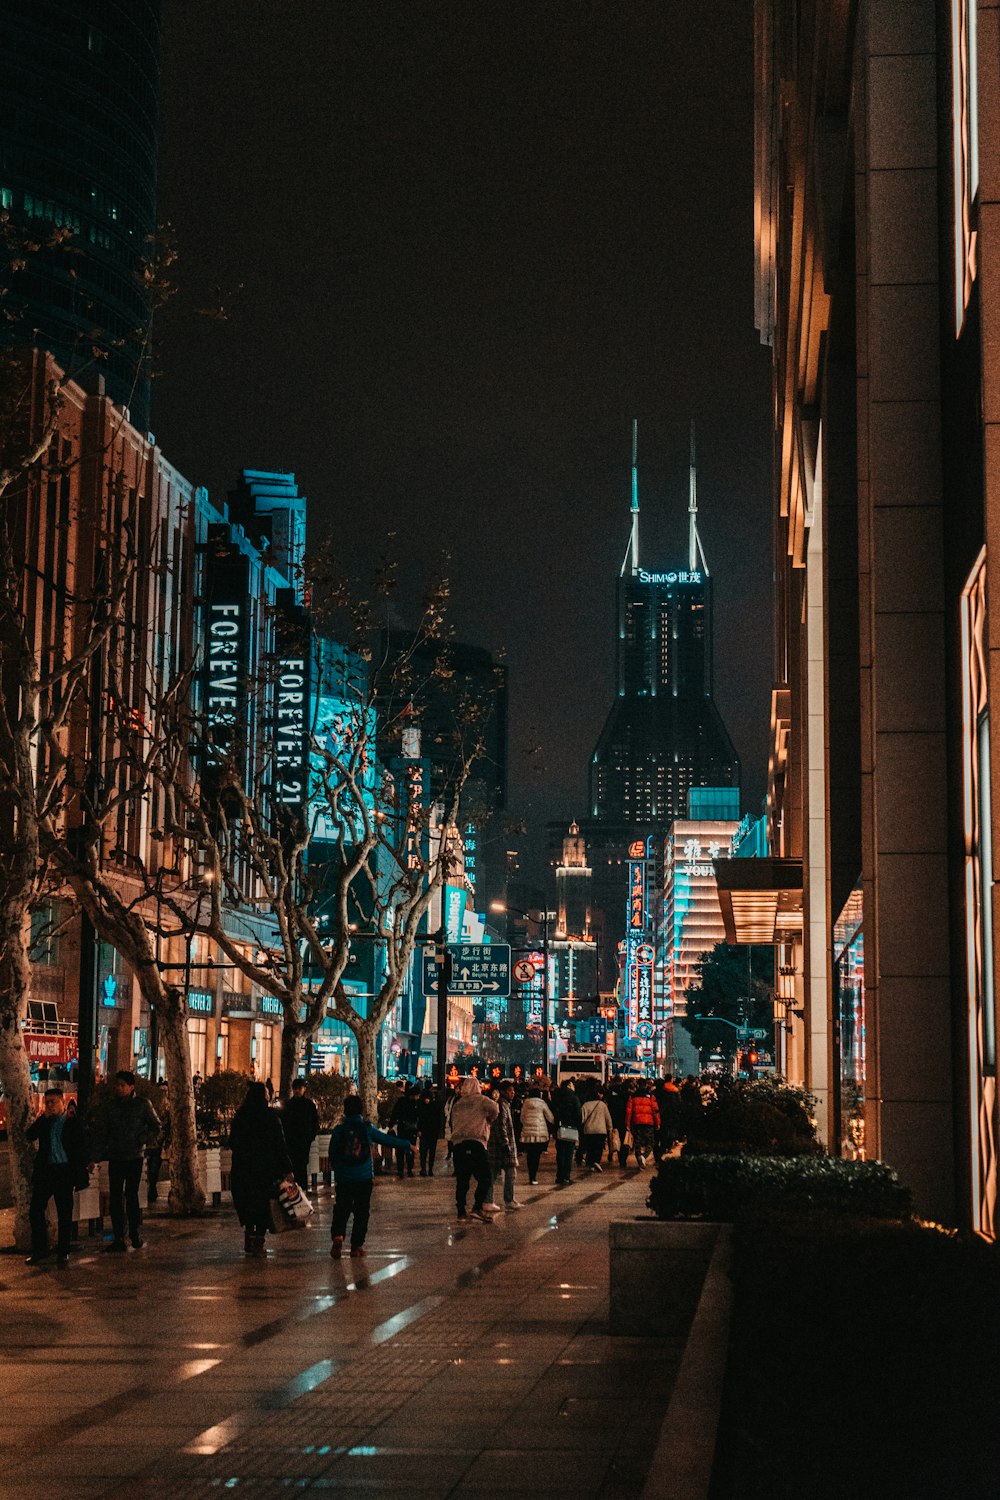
pixel 54 1050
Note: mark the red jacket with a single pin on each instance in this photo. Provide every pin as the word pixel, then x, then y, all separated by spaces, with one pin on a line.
pixel 642 1110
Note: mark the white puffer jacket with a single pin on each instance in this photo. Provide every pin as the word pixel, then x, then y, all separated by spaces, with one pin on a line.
pixel 536 1117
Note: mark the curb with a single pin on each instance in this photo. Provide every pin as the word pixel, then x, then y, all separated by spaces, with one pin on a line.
pixel 685 1450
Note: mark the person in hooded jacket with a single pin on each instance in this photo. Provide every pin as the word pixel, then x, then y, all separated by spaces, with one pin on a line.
pixel 472 1116
pixel 260 1162
pixel 596 1130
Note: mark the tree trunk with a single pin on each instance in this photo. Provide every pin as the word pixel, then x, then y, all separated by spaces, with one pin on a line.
pixel 15 1074
pixel 291 1046
pixel 187 1196
pixel 367 1039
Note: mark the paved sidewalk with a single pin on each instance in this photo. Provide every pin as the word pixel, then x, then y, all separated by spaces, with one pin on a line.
pixel 453 1361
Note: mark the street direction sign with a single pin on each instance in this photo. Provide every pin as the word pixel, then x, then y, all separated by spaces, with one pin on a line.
pixel 524 971
pixel 476 969
pixel 758 1033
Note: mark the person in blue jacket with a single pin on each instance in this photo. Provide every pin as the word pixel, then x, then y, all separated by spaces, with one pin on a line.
pixel 354 1174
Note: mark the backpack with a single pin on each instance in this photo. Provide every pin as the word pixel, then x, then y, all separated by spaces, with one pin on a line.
pixel 353 1146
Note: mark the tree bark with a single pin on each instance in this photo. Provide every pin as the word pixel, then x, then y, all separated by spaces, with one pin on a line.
pixel 187 1196
pixel 125 927
pixel 291 1044
pixel 15 1074
pixel 367 1039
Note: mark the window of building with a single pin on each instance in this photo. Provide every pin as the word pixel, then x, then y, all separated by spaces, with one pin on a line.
pixel 198 1042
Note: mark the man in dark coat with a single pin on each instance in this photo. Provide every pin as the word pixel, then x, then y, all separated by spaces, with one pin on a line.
pixel 60 1166
pixel 126 1126
pixel 300 1123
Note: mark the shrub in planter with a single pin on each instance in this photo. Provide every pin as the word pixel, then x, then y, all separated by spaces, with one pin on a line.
pixel 218 1098
pixel 328 1092
pixel 765 1118
pixel 727 1187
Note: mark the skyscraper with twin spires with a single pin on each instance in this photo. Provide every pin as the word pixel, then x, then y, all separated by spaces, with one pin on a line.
pixel 664 733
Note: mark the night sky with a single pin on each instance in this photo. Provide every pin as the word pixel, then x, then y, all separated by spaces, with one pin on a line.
pixel 475 240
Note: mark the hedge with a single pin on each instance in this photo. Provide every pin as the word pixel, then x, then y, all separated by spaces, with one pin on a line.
pixel 726 1187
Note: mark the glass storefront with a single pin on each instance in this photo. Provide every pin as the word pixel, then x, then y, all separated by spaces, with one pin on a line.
pixel 849 1000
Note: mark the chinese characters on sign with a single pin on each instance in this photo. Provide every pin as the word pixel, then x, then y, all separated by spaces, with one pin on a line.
pixel 682 577
pixel 637 895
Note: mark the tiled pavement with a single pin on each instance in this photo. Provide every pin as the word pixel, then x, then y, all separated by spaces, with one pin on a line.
pixel 453 1361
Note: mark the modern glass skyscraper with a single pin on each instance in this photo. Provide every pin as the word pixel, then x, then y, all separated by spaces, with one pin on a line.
pixel 79 133
pixel 664 734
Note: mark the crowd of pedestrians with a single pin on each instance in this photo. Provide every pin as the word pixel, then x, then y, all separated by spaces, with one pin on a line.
pixel 487 1127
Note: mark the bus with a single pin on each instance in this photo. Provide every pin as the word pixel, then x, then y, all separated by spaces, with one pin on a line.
pixel 581 1065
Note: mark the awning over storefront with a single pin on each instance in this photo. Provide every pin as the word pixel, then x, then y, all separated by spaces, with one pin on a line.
pixel 761 899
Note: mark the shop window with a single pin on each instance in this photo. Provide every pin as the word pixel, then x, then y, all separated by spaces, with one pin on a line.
pixel 222 1047
pixel 198 1043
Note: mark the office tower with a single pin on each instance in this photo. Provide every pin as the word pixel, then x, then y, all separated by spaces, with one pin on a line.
pixel 79 135
pixel 664 734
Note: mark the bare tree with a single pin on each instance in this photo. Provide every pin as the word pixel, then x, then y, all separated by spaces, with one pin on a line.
pixel 52 630
pixel 323 847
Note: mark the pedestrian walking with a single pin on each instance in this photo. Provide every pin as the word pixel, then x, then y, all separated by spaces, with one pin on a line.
pixel 60 1166
pixel 405 1125
pixel 300 1123
pixel 502 1149
pixel 620 1138
pixel 569 1116
pixel 642 1118
pixel 353 1168
pixel 260 1164
pixel 537 1122
pixel 596 1130
pixel 428 1126
pixel 126 1126
pixel 472 1116
pixel 669 1102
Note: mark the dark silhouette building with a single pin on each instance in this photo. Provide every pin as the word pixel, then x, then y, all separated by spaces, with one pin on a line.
pixel 664 733
pixel 79 132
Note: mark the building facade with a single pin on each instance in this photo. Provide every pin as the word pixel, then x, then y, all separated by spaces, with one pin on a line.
pixel 689 917
pixel 877 163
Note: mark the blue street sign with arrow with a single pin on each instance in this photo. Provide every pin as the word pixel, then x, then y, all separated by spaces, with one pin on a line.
pixel 476 969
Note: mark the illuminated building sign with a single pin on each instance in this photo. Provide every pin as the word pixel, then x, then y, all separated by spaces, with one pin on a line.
pixel 291 742
pixel 223 673
pixel 471 841
pixel 698 861
pixel 227 595
pixel 270 1005
pixel 200 1002
pixel 644 577
pixel 416 777
pixel 637 895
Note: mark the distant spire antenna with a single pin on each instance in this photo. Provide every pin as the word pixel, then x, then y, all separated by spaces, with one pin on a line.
pixel 635 496
pixel 695 549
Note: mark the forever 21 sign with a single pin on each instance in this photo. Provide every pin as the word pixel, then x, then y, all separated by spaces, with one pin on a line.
pixel 225 650
pixel 223 673
pixel 290 731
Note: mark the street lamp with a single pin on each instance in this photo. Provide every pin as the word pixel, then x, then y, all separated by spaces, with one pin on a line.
pixel 502 907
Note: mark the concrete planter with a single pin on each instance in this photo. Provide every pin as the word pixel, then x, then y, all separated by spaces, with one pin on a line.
pixel 657 1273
pixel 210 1173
